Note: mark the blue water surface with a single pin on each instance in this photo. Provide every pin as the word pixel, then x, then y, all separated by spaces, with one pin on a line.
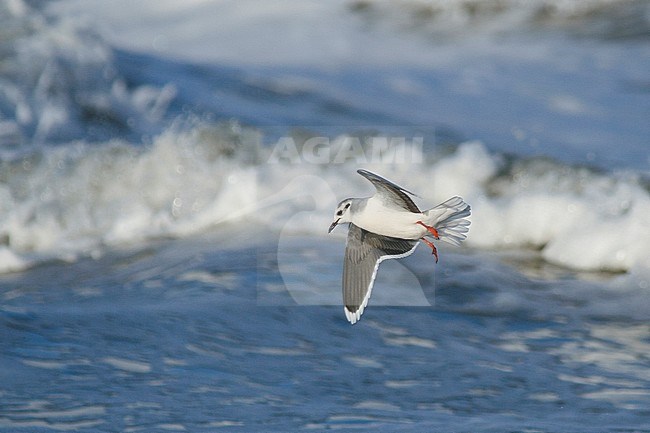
pixel 187 336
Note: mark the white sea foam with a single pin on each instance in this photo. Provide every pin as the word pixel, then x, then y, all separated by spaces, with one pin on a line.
pixel 11 261
pixel 76 198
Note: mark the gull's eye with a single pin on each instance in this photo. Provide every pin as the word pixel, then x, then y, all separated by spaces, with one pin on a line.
pixel 339 213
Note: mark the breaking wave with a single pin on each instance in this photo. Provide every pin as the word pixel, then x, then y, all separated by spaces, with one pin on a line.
pixel 58 82
pixel 78 198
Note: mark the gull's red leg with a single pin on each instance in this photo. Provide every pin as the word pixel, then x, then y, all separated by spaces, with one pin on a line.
pixel 434 251
pixel 430 229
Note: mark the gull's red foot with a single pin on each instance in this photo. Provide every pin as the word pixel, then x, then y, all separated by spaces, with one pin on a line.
pixel 430 229
pixel 434 251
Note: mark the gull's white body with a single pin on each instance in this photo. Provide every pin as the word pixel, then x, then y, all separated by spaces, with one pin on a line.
pixel 388 221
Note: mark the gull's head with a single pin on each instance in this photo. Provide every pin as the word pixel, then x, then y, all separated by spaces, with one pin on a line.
pixel 342 214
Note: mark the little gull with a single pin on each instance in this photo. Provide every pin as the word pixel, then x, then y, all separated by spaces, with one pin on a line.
pixel 389 225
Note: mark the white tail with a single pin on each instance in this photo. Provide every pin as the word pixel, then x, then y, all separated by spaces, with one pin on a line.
pixel 451 220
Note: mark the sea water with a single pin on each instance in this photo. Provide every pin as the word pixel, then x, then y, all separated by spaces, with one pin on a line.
pixel 168 172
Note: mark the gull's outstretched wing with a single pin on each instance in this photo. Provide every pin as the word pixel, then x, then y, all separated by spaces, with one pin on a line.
pixel 392 195
pixel 364 251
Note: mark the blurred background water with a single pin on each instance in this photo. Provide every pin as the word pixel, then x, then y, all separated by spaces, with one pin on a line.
pixel 164 262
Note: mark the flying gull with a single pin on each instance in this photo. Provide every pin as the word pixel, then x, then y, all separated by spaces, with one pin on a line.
pixel 389 225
